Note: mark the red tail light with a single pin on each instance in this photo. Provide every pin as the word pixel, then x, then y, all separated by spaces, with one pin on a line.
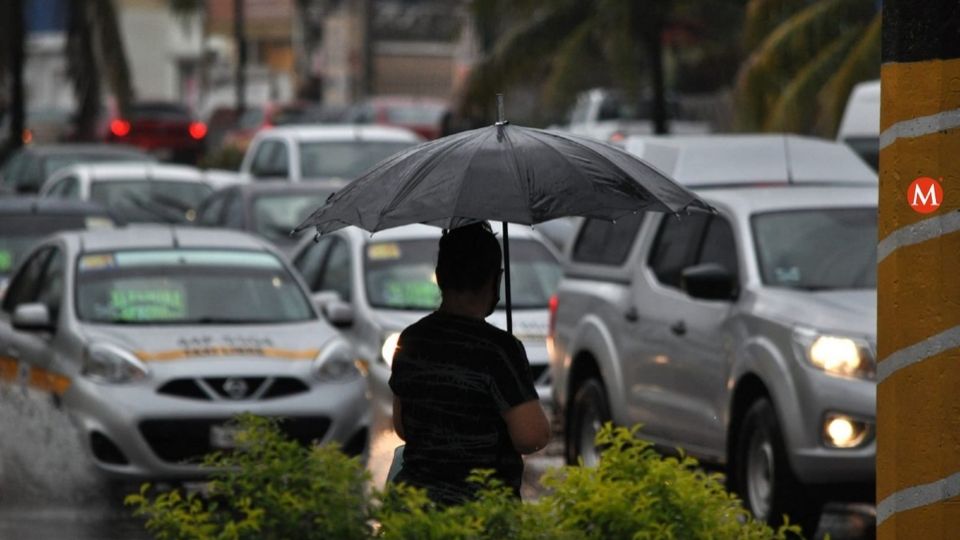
pixel 198 130
pixel 554 305
pixel 120 128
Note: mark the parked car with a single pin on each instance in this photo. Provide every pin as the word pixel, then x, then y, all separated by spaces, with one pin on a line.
pixel 27 169
pixel 374 287
pixel 745 337
pixel 860 125
pixel 341 151
pixel 228 130
pixel 153 338
pixel 139 192
pixel 167 130
pixel 267 209
pixel 26 220
pixel 423 115
pixel 43 125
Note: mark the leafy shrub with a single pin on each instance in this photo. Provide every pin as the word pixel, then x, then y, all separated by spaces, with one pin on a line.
pixel 272 488
pixel 225 157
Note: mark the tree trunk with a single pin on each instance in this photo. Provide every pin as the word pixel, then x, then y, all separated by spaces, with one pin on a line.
pixel 659 111
pixel 15 46
pixel 240 39
pixel 112 55
pixel 82 68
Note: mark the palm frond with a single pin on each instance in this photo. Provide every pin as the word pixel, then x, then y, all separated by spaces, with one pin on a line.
pixel 862 63
pixel 567 70
pixel 796 107
pixel 762 16
pixel 520 52
pixel 786 50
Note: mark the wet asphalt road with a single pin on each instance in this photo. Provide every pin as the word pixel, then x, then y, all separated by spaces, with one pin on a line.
pixel 47 490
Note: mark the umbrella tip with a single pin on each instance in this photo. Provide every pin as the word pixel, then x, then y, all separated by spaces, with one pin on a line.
pixel 500 120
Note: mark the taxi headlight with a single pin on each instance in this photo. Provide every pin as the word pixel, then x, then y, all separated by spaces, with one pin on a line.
pixel 389 348
pixel 109 364
pixel 336 363
pixel 837 355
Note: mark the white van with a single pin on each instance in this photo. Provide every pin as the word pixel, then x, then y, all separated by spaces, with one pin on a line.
pixel 860 125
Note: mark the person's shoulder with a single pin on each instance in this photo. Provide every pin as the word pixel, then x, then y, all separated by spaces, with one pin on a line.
pixel 501 338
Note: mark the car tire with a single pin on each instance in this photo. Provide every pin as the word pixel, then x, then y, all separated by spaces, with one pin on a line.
pixel 761 473
pixel 590 410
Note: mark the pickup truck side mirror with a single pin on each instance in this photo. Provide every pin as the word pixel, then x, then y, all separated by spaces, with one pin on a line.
pixel 709 281
pixel 32 317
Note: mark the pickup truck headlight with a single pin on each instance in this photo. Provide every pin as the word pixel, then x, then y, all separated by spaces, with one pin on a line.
pixel 109 364
pixel 389 348
pixel 336 363
pixel 837 355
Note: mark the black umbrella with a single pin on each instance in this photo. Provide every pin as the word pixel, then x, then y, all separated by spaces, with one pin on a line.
pixel 501 173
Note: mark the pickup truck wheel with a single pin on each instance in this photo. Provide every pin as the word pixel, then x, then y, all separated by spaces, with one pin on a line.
pixel 762 474
pixel 590 412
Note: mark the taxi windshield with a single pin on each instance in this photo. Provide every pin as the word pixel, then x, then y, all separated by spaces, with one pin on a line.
pixel 400 275
pixel 187 286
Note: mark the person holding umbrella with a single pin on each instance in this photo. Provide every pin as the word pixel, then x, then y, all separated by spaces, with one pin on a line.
pixel 464 397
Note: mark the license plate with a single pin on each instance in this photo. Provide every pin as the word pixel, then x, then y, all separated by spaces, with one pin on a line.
pixel 223 437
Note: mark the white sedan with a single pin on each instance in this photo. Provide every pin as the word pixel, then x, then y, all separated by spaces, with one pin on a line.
pixel 140 192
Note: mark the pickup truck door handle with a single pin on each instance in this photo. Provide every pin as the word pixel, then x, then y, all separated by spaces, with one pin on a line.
pixel 679 328
pixel 631 314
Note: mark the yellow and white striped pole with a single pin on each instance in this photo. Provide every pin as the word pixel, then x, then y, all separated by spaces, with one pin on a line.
pixel 918 392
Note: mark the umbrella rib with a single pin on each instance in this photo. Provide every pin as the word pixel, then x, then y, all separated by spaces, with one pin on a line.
pixel 566 159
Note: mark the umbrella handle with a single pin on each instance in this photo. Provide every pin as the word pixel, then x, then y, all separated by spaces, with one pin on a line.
pixel 506 271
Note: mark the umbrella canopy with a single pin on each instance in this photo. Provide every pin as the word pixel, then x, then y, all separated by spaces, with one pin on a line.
pixel 501 173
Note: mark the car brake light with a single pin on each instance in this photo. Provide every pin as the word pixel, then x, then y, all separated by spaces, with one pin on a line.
pixel 120 128
pixel 554 305
pixel 198 130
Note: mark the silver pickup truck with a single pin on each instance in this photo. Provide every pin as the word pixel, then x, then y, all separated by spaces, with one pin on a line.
pixel 746 337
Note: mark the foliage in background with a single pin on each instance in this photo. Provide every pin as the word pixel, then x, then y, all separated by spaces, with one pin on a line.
pixel 804 58
pixel 226 157
pixel 565 46
pixel 273 488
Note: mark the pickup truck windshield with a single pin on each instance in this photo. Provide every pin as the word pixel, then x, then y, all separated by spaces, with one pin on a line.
pixel 400 275
pixel 818 249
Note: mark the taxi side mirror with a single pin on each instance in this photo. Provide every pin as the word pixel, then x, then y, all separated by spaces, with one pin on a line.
pixel 32 317
pixel 339 314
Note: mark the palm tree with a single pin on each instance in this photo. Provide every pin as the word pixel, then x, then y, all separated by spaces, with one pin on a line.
pixel 804 59
pixel 94 50
pixel 572 44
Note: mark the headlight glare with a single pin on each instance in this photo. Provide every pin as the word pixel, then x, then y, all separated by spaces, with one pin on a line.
pixel 837 355
pixel 109 364
pixel 389 348
pixel 336 363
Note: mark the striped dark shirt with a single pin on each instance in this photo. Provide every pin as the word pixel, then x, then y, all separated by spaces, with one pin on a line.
pixel 455 376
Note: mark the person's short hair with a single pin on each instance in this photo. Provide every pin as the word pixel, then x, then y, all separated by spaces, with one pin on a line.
pixel 469 257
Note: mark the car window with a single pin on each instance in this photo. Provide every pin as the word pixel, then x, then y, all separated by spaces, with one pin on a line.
pixel 24 287
pixel 817 249
pixel 344 159
pixel 271 159
pixel 50 291
pixel 66 188
pixel 233 213
pixel 210 210
pixel 188 286
pixel 607 242
pixel 154 201
pixel 336 270
pixel 719 245
pixel 310 262
pixel 677 243
pixel 276 214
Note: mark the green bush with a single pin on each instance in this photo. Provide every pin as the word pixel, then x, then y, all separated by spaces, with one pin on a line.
pixel 273 488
